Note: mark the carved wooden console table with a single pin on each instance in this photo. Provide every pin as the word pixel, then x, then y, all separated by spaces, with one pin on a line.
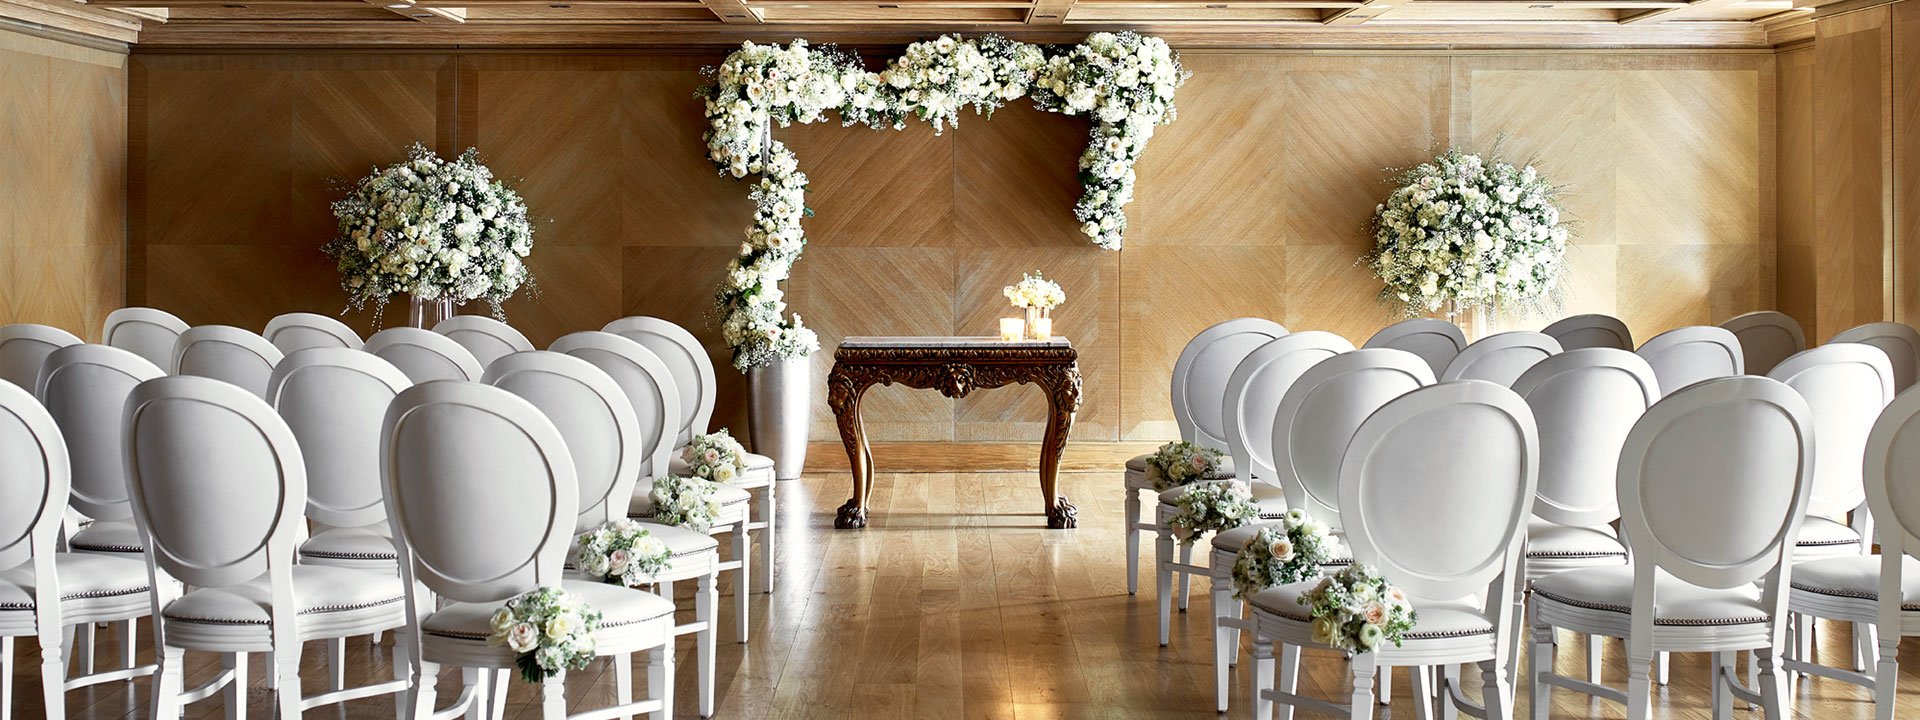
pixel 955 366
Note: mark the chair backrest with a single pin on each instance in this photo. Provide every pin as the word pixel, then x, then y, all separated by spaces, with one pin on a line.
pixel 1437 487
pixel 85 389
pixel 1501 358
pixel 24 346
pixel 488 339
pixel 688 360
pixel 1584 402
pixel 333 398
pixel 293 332
pixel 33 480
pixel 425 355
pixel 480 491
pixel 1893 460
pixel 1320 412
pixel 228 354
pixel 648 385
pixel 1200 376
pixel 146 332
pixel 1766 338
pixel 1436 341
pixel 1847 385
pixel 1899 341
pixel 216 480
pixel 593 414
pixel 1684 356
pixel 1714 481
pixel 1592 330
pixel 1254 392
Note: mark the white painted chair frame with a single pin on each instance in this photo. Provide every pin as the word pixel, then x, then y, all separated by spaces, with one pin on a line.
pixel 146 332
pixel 425 355
pixel 1684 356
pixel 1899 341
pixel 24 347
pixel 1592 330
pixel 296 331
pixel 1435 340
pixel 1766 338
pixel 488 339
pixel 229 354
pixel 1501 358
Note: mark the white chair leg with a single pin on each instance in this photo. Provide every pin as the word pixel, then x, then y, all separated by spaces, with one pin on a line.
pixel 553 697
pixel 1132 513
pixel 1222 651
pixel 235 693
pixel 421 696
pixel 6 683
pixel 1595 662
pixel 1773 695
pixel 1385 681
pixel 623 681
pixel 1496 691
pixel 704 602
pixel 1163 582
pixel 742 548
pixel 1865 637
pixel 1186 578
pixel 287 668
pixel 1451 673
pixel 1287 678
pixel 498 681
pixel 336 663
pixel 82 650
pixel 125 633
pixel 1722 693
pixel 1660 661
pixel 1259 676
pixel 1540 665
pixel 167 683
pixel 1886 677
pixel 481 682
pixel 1360 707
pixel 402 671
pixel 660 678
pixel 1639 685
pixel 267 671
pixel 768 513
pixel 1422 682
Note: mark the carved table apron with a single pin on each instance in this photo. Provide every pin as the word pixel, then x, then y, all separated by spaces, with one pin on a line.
pixel 955 366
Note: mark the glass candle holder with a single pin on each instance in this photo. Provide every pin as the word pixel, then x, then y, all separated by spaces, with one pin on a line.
pixel 1040 328
pixel 1012 328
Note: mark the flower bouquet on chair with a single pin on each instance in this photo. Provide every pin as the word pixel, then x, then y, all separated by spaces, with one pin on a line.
pixel 1290 551
pixel 621 552
pixel 715 456
pixel 1356 610
pixel 684 502
pixel 1182 463
pixel 550 629
pixel 1211 507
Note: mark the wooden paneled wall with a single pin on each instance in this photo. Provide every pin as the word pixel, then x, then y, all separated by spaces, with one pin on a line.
pixel 1254 202
pixel 63 223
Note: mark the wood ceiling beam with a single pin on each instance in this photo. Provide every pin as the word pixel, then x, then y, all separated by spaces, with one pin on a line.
pixel 429 15
pixel 1664 14
pixel 75 18
pixel 1049 12
pixel 732 12
pixel 1367 10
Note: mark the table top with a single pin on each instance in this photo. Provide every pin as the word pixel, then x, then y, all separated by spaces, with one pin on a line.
pixel 956 342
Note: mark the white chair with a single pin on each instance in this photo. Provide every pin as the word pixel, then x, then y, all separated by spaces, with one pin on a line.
pixel 1199 378
pixel 602 434
pixel 331 398
pixel 693 376
pixel 24 346
pixel 1684 356
pixel 483 498
pixel 228 354
pixel 293 332
pixel 1434 340
pixel 190 441
pixel 1898 340
pixel 1766 338
pixel 488 339
pixel 1501 358
pixel 1435 491
pixel 146 332
pixel 85 388
pixel 43 592
pixel 1590 331
pixel 425 355
pixel 1714 480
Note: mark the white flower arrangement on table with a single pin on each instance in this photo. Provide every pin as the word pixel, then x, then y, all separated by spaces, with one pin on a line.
pixel 621 552
pixel 1124 81
pixel 1211 507
pixel 1356 610
pixel 715 456
pixel 1035 291
pixel 684 502
pixel 434 228
pixel 1468 234
pixel 1181 463
pixel 1289 551
pixel 550 629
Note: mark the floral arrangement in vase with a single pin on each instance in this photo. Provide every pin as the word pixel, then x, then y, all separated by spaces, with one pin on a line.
pixel 715 456
pixel 550 629
pixel 684 502
pixel 1211 507
pixel 621 552
pixel 1356 610
pixel 1467 234
pixel 1180 463
pixel 1289 551
pixel 432 228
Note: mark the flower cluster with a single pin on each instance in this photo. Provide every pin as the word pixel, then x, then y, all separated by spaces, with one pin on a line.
pixel 1469 233
pixel 684 502
pixel 1356 610
pixel 1211 507
pixel 1125 81
pixel 433 228
pixel 1035 291
pixel 550 629
pixel 1289 551
pixel 621 552
pixel 1181 462
pixel 715 456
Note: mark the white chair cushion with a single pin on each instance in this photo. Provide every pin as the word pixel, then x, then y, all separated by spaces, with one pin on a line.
pixel 681 541
pixel 1857 577
pixel 1272 500
pixel 1233 540
pixel 1140 477
pixel 361 543
pixel 1435 619
pixel 1551 540
pixel 1817 531
pixel 618 607
pixel 732 498
pixel 319 590
pixel 82 576
pixel 108 536
pixel 1676 602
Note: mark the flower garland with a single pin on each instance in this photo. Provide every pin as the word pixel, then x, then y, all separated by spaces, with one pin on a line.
pixel 1124 81
pixel 684 502
pixel 1289 551
pixel 550 629
pixel 433 228
pixel 1211 507
pixel 1356 610
pixel 715 456
pixel 1180 462
pixel 621 552
pixel 1469 233
pixel 1035 291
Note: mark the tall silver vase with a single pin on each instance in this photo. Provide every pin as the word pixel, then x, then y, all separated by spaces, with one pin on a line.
pixel 425 312
pixel 779 403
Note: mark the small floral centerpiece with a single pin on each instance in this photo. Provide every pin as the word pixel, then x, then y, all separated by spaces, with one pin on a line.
pixel 1181 462
pixel 1211 507
pixel 1356 610
pixel 550 629
pixel 1289 551
pixel 684 502
pixel 1036 292
pixel 715 456
pixel 621 552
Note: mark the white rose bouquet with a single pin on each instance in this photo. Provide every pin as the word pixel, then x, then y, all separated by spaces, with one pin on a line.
pixel 1289 551
pixel 550 629
pixel 684 502
pixel 1356 610
pixel 621 552
pixel 433 228
pixel 1181 462
pixel 1211 507
pixel 715 456
pixel 1035 291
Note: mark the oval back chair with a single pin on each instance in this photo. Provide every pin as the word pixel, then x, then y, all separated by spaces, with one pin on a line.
pixel 424 355
pixel 1684 356
pixel 24 347
pixel 146 332
pixel 331 399
pixel 488 339
pixel 692 369
pixel 1766 338
pixel 1899 341
pixel 1200 376
pixel 228 354
pixel 293 332
pixel 85 389
pixel 1584 403
pixel 648 385
pixel 1320 413
pixel 1254 391
pixel 1592 330
pixel 1846 385
pixel 1501 358
pixel 593 414
pixel 1436 341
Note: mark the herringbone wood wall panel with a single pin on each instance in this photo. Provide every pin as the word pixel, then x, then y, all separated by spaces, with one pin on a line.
pixel 1254 202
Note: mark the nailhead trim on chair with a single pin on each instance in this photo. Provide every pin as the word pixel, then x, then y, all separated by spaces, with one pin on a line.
pixel 1606 607
pixel 89 595
pixel 111 548
pixel 331 555
pixel 1852 594
pixel 1429 635
pixel 1577 554
pixel 310 611
pixel 457 635
pixel 1825 543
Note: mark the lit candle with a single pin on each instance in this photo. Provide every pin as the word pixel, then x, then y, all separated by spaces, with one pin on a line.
pixel 1012 328
pixel 1042 328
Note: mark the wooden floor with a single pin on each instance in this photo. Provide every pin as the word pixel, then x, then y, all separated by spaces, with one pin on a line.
pixel 955 603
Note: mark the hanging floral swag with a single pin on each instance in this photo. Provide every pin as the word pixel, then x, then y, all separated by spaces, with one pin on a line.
pixel 1124 81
